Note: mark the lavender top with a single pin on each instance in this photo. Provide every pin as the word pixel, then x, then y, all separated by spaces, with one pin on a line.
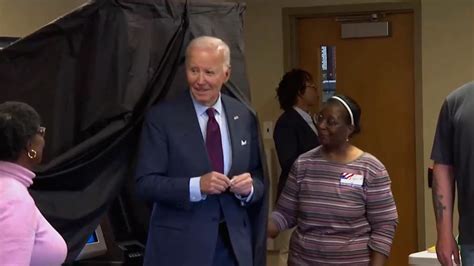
pixel 26 237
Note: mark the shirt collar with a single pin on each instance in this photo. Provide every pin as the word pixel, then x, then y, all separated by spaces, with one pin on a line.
pixel 17 172
pixel 303 114
pixel 201 109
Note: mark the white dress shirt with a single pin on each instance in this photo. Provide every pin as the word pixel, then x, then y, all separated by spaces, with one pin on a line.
pixel 194 183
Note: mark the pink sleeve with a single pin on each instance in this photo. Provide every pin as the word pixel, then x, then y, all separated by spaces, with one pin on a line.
pixel 17 231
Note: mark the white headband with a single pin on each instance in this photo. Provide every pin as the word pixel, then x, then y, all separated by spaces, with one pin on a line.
pixel 347 107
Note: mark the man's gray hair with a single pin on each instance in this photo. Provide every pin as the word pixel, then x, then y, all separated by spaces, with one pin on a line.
pixel 213 43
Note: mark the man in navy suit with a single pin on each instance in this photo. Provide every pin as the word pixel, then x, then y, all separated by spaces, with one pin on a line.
pixel 199 164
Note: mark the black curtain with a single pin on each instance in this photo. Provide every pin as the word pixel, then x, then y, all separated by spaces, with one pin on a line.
pixel 92 74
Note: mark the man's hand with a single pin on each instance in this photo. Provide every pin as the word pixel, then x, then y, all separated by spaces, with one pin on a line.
pixel 214 183
pixel 446 247
pixel 241 184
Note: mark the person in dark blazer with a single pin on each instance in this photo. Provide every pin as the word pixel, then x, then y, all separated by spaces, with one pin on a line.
pixel 199 164
pixel 295 132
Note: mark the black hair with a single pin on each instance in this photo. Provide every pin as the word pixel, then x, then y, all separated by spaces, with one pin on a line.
pixel 292 84
pixel 355 109
pixel 18 123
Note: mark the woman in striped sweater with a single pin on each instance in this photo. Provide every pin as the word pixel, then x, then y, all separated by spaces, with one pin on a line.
pixel 337 196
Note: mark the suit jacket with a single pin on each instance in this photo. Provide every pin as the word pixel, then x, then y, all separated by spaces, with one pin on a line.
pixel 293 137
pixel 172 150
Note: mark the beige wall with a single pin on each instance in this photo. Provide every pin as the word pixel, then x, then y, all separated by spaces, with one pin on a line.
pixel 21 17
pixel 447 56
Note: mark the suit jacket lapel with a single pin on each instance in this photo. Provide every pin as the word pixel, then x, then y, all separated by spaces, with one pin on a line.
pixel 233 120
pixel 190 130
pixel 302 122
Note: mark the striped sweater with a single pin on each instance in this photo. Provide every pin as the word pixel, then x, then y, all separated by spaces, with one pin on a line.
pixel 337 222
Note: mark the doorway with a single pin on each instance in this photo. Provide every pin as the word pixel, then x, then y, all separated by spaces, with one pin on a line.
pixel 379 73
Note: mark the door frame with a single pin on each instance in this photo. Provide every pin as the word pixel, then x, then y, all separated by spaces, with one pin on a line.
pixel 290 60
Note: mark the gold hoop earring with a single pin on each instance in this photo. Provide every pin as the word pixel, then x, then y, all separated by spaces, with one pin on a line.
pixel 32 154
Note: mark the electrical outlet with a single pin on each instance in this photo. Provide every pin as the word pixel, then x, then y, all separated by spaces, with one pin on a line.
pixel 267 129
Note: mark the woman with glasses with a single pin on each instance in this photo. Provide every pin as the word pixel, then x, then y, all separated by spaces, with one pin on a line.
pixel 26 237
pixel 337 196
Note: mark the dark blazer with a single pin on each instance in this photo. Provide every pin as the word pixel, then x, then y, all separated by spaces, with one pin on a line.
pixel 172 150
pixel 293 137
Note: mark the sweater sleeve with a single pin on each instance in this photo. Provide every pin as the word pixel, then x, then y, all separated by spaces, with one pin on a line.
pixel 17 231
pixel 381 212
pixel 285 213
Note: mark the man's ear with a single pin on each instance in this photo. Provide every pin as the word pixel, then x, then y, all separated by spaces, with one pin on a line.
pixel 227 74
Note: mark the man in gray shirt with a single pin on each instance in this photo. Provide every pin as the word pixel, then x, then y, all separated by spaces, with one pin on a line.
pixel 453 156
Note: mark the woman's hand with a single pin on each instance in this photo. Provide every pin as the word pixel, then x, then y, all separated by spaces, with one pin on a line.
pixel 272 229
pixel 377 259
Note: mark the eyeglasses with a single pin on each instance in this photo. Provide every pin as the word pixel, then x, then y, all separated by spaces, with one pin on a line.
pixel 330 122
pixel 312 87
pixel 41 131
